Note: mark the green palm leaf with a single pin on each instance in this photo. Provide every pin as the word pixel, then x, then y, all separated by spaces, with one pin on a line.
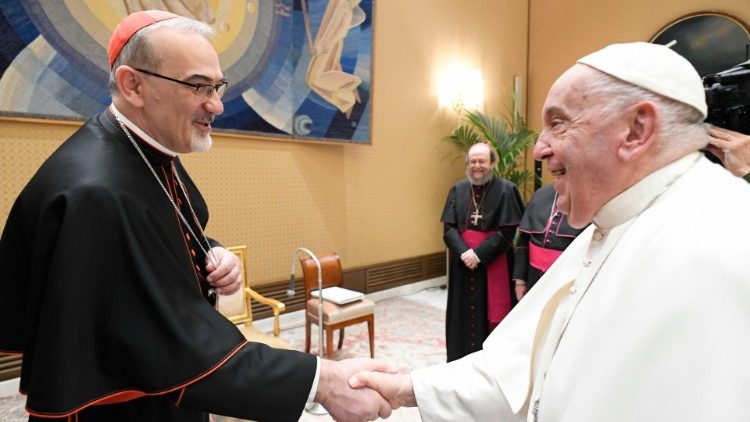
pixel 509 136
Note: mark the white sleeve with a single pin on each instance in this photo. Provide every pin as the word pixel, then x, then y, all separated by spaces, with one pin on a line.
pixel 314 386
pixel 462 390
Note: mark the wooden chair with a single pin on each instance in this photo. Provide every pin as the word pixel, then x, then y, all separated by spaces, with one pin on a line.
pixel 335 317
pixel 236 307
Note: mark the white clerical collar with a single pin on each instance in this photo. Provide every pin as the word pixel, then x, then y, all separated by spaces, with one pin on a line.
pixel 635 199
pixel 141 134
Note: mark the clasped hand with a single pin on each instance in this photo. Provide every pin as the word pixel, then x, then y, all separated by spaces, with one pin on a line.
pixel 470 259
pixel 362 389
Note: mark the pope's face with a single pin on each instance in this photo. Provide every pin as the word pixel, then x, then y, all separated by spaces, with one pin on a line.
pixel 576 142
pixel 175 115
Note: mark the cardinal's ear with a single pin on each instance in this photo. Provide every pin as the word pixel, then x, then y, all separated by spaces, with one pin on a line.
pixel 129 85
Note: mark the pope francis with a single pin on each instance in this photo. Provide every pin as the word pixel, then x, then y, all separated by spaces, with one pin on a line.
pixel 645 316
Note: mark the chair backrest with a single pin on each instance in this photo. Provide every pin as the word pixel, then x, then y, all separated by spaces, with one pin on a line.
pixel 330 267
pixel 236 307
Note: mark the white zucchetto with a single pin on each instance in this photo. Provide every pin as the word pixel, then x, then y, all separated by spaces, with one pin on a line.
pixel 653 67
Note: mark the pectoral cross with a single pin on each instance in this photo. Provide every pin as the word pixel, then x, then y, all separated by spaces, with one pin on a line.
pixel 476 216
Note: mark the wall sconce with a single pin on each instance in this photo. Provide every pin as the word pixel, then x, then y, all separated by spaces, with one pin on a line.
pixel 461 90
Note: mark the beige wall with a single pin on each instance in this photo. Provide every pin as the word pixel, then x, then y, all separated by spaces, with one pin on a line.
pixel 370 203
pixel 401 181
pixel 563 31
pixel 382 202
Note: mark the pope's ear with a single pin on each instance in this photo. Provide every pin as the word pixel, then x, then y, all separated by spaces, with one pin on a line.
pixel 642 121
pixel 129 85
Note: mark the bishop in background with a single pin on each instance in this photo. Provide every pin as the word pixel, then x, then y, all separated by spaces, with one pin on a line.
pixel 480 219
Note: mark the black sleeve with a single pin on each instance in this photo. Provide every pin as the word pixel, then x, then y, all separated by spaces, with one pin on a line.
pixel 451 235
pixel 501 241
pixel 258 383
pixel 496 244
pixel 453 239
pixel 521 263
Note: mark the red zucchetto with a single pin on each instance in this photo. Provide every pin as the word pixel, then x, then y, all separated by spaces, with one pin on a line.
pixel 130 25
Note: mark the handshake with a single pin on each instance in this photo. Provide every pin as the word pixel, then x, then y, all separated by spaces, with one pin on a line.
pixel 362 389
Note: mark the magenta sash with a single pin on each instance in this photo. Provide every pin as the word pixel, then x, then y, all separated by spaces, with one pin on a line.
pixel 498 288
pixel 542 258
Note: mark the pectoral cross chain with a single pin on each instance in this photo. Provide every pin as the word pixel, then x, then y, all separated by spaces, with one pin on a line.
pixel 476 216
pixel 535 410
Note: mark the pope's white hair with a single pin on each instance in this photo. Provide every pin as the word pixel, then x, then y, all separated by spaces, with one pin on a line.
pixel 681 126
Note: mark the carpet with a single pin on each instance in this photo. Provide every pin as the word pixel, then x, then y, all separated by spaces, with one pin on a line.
pixel 408 334
pixel 12 409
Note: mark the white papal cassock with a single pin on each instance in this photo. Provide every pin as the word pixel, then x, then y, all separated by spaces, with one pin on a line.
pixel 661 334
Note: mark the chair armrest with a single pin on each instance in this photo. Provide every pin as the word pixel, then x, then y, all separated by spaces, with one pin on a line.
pixel 276 305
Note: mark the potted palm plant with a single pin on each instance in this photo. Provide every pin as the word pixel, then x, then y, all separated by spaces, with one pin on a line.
pixel 509 136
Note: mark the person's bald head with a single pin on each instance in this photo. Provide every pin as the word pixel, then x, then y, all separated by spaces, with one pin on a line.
pixel 480 160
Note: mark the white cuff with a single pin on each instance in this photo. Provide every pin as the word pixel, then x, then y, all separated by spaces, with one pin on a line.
pixel 314 387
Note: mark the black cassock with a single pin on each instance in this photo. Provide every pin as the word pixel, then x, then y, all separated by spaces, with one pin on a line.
pixel 501 208
pixel 544 226
pixel 103 295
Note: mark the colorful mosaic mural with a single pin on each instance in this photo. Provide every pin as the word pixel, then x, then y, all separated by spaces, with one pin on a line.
pixel 297 69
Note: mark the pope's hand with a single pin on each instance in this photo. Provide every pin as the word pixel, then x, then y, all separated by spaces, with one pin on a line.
pixel 396 388
pixel 345 403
